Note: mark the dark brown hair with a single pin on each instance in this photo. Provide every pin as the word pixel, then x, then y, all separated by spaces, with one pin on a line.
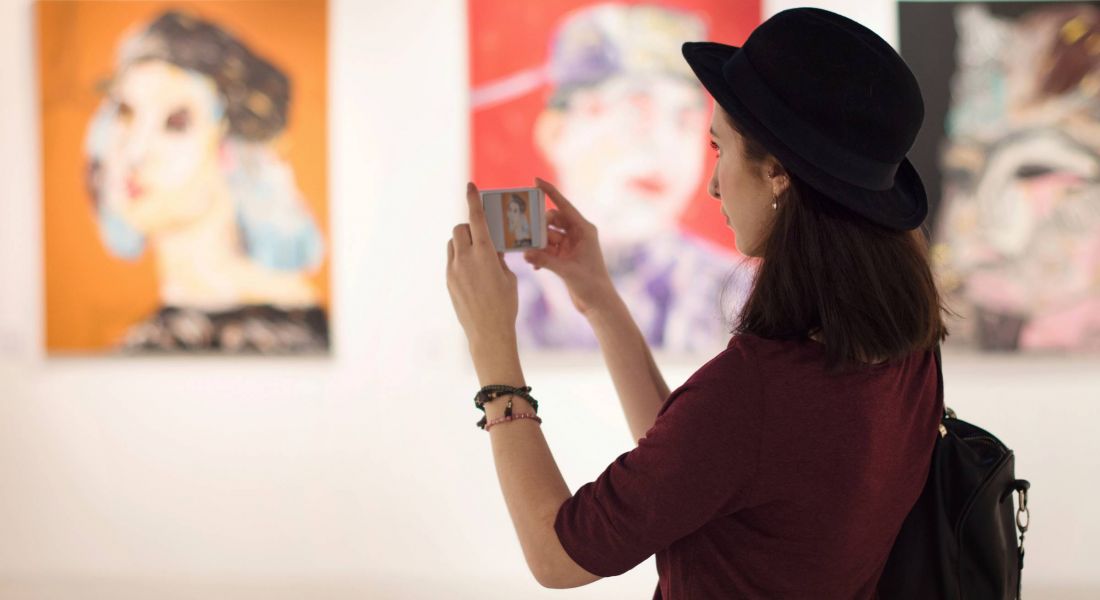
pixel 866 289
pixel 256 93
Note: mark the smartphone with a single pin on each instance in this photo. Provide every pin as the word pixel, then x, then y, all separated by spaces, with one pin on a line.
pixel 516 217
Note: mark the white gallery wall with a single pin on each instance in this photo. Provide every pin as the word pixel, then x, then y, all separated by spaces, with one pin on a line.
pixel 363 474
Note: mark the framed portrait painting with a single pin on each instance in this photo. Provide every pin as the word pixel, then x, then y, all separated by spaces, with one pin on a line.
pixel 184 176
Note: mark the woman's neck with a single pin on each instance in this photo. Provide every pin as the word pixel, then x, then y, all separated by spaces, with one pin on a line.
pixel 203 265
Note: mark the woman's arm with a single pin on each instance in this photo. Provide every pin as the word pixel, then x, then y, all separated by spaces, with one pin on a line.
pixel 641 388
pixel 530 480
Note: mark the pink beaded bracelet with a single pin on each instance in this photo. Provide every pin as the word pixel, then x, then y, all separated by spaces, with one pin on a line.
pixel 511 418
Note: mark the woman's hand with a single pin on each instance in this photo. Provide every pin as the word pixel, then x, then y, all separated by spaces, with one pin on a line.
pixel 483 289
pixel 573 254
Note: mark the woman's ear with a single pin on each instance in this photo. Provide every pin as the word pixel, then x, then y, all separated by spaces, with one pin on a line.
pixel 781 181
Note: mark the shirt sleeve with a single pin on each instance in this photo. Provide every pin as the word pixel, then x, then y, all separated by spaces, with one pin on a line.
pixel 696 463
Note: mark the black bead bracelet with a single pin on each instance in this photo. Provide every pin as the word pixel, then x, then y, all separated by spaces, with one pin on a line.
pixel 492 392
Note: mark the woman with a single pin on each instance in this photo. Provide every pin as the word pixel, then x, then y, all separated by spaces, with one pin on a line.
pixel 180 159
pixel 785 465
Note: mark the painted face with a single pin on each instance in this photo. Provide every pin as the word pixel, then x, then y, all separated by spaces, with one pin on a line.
pixel 1018 232
pixel 1022 225
pixel 745 193
pixel 630 152
pixel 515 214
pixel 163 142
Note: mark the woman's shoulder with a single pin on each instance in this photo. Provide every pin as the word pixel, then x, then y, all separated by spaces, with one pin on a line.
pixel 729 388
pixel 750 361
pixel 732 367
pixel 754 372
pixel 749 350
pixel 805 350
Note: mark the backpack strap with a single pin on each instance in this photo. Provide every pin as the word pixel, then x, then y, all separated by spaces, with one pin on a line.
pixel 947 412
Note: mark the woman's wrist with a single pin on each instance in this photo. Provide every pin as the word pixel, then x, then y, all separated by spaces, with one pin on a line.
pixel 610 304
pixel 496 361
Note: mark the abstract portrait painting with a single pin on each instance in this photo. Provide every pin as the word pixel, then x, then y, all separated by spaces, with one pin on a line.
pixel 1010 151
pixel 598 99
pixel 183 174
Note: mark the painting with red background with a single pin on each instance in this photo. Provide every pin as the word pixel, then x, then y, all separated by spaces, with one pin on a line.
pixel 510 38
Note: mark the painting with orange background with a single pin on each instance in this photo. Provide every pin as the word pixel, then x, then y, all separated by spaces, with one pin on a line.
pixel 183 173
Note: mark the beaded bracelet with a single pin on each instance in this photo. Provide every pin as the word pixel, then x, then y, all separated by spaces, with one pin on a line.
pixel 514 417
pixel 492 392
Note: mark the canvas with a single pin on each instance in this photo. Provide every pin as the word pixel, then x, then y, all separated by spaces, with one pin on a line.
pixel 184 176
pixel 1010 151
pixel 597 99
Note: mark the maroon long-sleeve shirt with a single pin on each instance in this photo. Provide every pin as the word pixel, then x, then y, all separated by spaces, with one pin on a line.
pixel 764 477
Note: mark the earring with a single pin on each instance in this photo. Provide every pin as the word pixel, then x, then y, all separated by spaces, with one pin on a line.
pixel 775 204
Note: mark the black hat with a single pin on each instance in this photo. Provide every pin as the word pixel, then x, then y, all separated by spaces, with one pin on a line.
pixel 832 101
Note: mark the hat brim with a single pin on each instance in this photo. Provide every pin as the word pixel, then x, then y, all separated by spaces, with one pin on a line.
pixel 903 206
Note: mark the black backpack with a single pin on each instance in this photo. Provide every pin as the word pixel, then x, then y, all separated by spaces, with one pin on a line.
pixel 959 540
